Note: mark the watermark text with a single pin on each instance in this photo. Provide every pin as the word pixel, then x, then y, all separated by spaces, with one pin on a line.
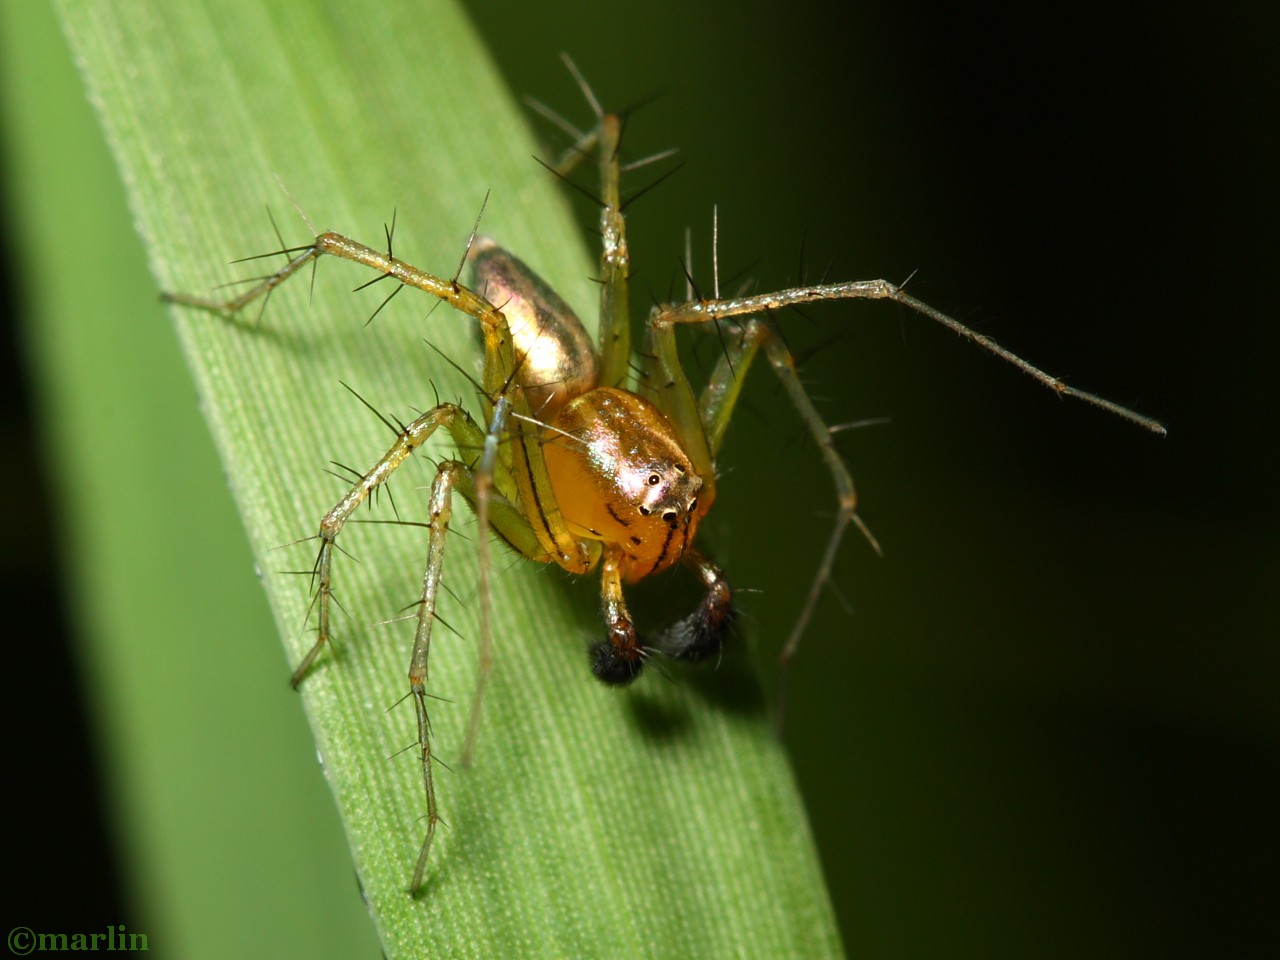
pixel 23 941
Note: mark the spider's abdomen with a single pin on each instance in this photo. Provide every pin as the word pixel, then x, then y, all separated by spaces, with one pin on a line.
pixel 620 476
pixel 557 358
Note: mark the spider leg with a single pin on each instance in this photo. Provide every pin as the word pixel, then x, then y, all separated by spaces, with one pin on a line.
pixel 491 508
pixel 674 396
pixel 447 477
pixel 336 245
pixel 466 435
pixel 707 311
pixel 454 476
pixel 604 139
pixel 482 501
pixel 615 261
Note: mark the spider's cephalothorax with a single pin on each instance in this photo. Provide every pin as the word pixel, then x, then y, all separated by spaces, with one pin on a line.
pixel 573 465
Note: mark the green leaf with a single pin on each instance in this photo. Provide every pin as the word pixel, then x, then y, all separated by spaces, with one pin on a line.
pixel 657 821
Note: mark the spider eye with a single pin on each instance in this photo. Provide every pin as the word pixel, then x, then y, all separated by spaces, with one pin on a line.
pixel 654 479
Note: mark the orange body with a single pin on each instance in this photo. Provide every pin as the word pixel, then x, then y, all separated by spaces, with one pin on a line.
pixel 621 477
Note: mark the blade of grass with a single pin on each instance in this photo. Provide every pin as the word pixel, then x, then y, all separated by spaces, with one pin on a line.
pixel 661 821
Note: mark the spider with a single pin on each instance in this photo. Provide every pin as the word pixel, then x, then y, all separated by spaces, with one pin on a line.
pixel 577 461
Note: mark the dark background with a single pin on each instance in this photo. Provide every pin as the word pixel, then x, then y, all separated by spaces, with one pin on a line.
pixel 1049 726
